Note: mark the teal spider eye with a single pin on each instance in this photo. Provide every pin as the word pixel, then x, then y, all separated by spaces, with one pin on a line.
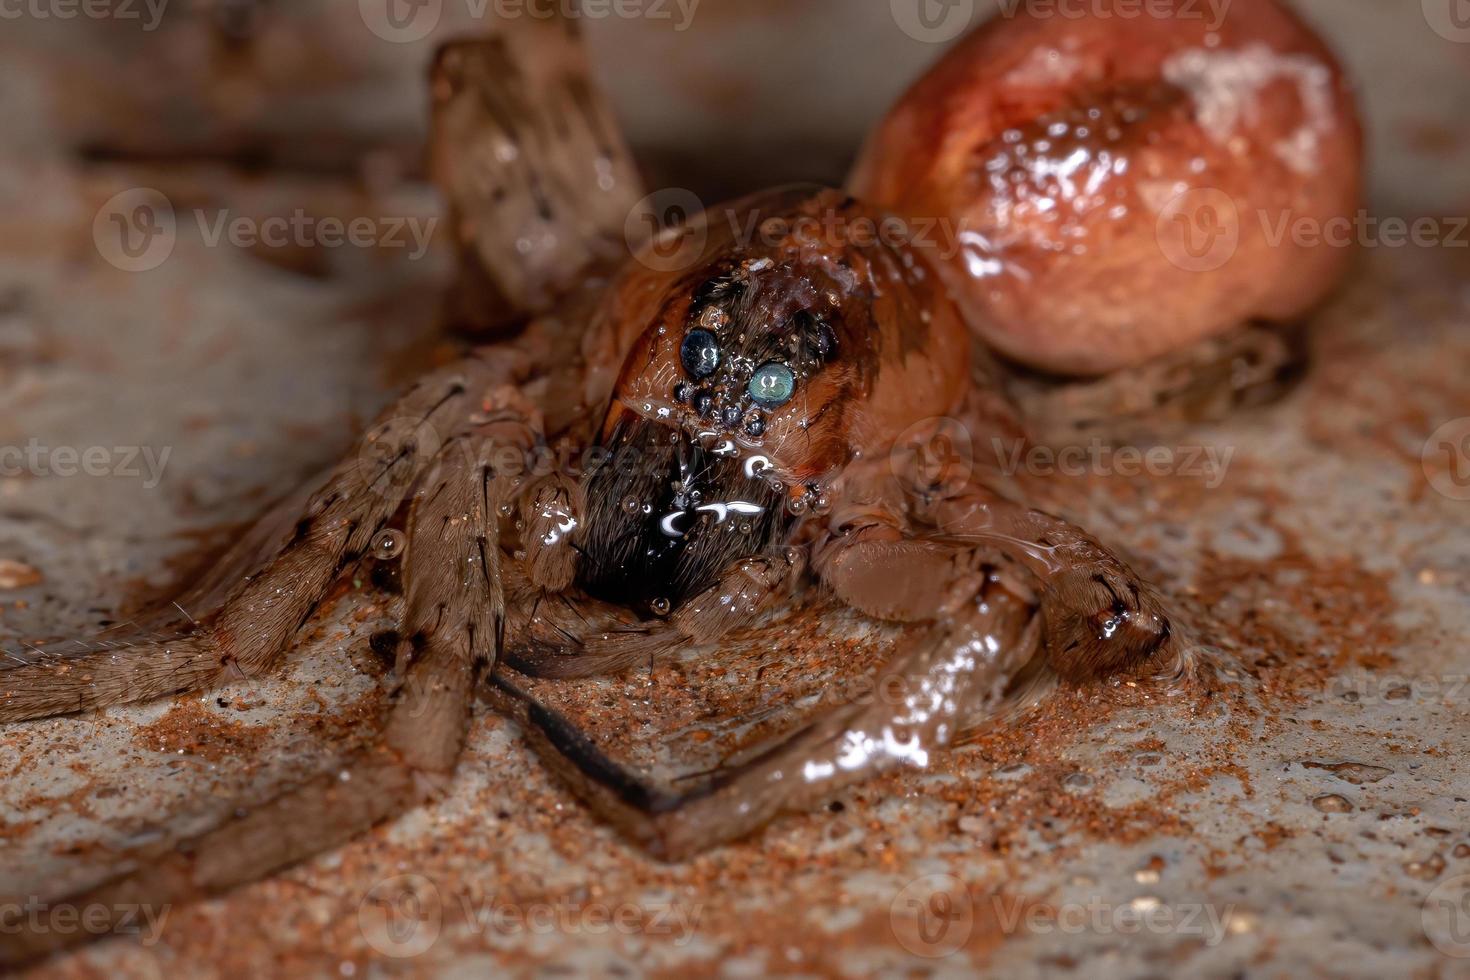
pixel 772 385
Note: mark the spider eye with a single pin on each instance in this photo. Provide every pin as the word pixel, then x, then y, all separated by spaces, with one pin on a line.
pixel 772 385
pixel 700 353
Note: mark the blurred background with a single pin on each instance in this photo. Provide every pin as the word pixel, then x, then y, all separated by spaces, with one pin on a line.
pixel 717 95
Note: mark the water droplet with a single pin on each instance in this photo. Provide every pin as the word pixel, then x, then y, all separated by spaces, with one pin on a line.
pixel 388 544
pixel 631 505
pixel 1333 803
pixel 661 606
pixel 1078 782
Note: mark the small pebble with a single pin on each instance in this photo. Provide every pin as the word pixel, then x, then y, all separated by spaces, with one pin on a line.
pixel 973 825
pixel 1426 870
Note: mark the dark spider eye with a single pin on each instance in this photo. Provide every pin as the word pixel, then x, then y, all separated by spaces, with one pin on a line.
pixel 772 385
pixel 700 353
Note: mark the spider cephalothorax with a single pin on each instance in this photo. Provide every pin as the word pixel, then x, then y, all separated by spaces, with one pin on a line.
pixel 753 384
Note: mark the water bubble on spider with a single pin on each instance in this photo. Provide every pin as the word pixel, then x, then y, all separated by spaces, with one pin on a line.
pixel 388 544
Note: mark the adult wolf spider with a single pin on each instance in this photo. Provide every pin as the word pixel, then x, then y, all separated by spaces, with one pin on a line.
pixel 760 393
